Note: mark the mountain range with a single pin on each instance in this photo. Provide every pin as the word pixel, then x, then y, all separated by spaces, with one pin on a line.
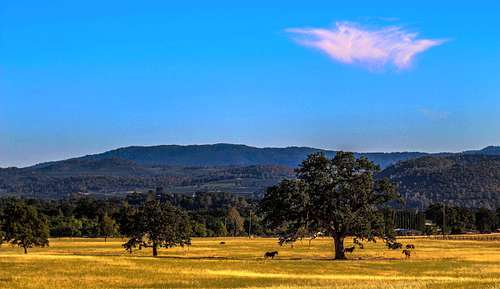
pixel 227 155
pixel 239 169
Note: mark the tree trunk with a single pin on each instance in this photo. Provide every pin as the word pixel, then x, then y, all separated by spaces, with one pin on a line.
pixel 25 250
pixel 155 249
pixel 339 248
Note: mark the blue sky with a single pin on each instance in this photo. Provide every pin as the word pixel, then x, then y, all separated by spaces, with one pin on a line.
pixel 79 78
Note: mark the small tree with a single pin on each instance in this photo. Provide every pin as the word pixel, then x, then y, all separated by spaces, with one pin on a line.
pixel 61 226
pixel 235 220
pixel 159 225
pixel 219 228
pixel 485 220
pixel 23 226
pixel 126 219
pixel 337 196
pixel 107 227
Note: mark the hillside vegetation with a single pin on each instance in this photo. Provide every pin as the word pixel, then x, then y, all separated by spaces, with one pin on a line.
pixel 232 155
pixel 468 179
pixel 462 180
pixel 60 180
pixel 220 167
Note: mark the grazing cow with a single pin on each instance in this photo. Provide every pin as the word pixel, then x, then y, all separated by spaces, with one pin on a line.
pixel 270 254
pixel 357 242
pixel 410 246
pixel 407 253
pixel 222 243
pixel 349 250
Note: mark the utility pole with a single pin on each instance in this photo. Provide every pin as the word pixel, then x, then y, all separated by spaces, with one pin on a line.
pixel 444 219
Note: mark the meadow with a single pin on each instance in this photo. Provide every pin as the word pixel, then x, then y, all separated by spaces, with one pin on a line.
pixel 93 263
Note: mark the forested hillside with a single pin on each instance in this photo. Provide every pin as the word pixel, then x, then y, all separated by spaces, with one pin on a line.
pixel 109 177
pixel 226 155
pixel 467 179
pixel 471 180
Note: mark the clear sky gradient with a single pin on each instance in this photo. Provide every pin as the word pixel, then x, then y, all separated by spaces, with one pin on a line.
pixel 79 77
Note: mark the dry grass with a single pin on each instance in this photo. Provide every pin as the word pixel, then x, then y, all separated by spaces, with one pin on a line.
pixel 92 263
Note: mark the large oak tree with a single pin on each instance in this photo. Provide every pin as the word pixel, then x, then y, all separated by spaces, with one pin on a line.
pixel 338 196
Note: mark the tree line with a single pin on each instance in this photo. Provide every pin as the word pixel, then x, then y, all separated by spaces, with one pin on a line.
pixel 335 197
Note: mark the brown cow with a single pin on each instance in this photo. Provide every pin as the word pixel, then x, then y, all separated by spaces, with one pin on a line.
pixel 349 250
pixel 270 254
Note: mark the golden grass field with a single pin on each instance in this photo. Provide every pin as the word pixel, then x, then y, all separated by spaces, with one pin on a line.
pixel 93 263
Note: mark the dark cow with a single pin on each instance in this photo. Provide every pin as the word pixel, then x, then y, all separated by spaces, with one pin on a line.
pixel 222 243
pixel 357 242
pixel 407 253
pixel 270 254
pixel 410 246
pixel 349 250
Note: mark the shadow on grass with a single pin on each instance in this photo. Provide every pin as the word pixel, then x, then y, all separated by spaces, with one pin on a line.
pixel 277 259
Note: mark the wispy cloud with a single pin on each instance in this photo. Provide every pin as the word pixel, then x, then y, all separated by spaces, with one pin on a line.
pixel 351 43
pixel 432 114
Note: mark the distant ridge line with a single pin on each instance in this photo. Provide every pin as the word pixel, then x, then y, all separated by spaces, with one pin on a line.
pixel 226 154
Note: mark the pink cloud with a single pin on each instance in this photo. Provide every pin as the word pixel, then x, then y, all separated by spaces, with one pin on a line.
pixel 352 44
